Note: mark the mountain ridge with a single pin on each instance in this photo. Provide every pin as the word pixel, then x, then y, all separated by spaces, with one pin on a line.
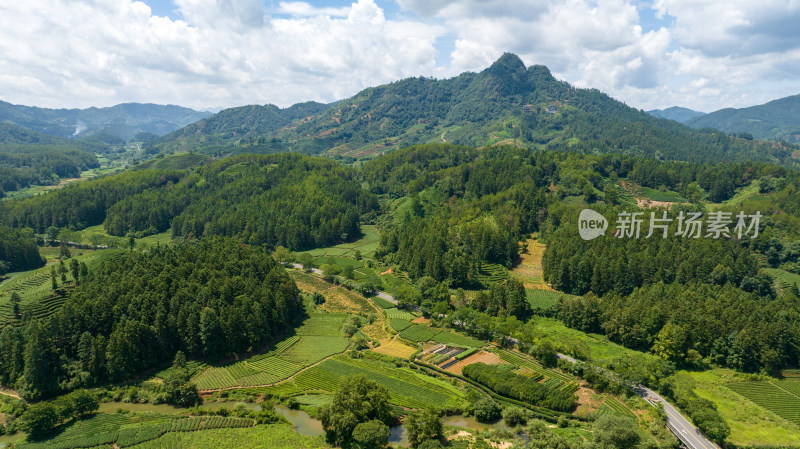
pixel 677 113
pixel 775 120
pixel 506 103
pixel 124 120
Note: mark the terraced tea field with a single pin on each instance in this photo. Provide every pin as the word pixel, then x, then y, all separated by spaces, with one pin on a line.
pixel 781 397
pixel 319 337
pixel 407 388
pixel 35 288
pixel 125 430
pixel 367 245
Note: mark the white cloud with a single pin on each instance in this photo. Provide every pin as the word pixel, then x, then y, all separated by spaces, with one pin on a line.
pixel 224 52
pixel 708 55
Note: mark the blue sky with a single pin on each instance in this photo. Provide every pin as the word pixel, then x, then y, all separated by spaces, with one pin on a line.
pixel 219 53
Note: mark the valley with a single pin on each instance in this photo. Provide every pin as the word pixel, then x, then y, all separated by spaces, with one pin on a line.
pixel 399 269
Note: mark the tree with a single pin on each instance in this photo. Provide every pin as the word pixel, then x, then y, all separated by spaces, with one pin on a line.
pixel 131 242
pixel 515 416
pixel 15 301
pixel 53 279
pixel 358 400
pixel 210 332
pixel 357 254
pixel 423 425
pixel 39 419
pixel 52 234
pixel 371 435
pixel 486 411
pixel 178 388
pixel 83 403
pixel 347 270
pixel 616 432
pixel 74 268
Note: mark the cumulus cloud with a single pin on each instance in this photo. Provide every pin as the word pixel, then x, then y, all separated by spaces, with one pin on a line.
pixel 222 52
pixel 708 55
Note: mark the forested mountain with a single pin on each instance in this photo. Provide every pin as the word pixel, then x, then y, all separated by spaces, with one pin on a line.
pixel 123 120
pixel 28 157
pixel 776 120
pixel 506 103
pixel 208 299
pixel 676 113
pixel 282 199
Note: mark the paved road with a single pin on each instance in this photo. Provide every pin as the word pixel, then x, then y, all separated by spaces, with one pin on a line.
pixel 680 426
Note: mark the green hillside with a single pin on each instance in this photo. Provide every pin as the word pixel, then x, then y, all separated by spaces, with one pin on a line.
pixel 776 120
pixel 506 103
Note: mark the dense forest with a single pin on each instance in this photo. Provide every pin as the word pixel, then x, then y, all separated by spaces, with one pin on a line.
pixel 18 250
pixel 284 199
pixel 208 299
pixel 29 158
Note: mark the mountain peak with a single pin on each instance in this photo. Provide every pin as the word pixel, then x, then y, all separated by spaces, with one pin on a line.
pixel 509 62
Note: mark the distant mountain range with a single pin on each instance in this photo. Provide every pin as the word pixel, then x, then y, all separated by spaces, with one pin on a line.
pixel 776 120
pixel 506 103
pixel 677 113
pixel 123 121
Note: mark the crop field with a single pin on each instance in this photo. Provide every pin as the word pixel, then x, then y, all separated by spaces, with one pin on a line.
pixel 319 337
pixel 778 399
pixel 382 303
pixel 523 361
pixel 36 290
pixel 783 279
pixel 406 387
pixel 419 333
pixel 400 324
pixel 398 314
pixel 270 436
pixel 366 245
pixel 129 430
pixel 491 273
pixel 612 405
pixel 543 299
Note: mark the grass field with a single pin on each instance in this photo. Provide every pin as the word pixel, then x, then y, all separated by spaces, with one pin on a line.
pixel 395 348
pixel 751 423
pixel 97 236
pixel 452 338
pixel 320 336
pixel 529 268
pixel 366 245
pixel 657 195
pixel 337 299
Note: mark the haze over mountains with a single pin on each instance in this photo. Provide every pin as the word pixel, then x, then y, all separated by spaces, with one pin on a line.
pixel 123 120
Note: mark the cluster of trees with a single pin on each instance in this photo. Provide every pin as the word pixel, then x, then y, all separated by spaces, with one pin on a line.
pixel 279 200
pixel 694 325
pixel 82 204
pixel 502 380
pixel 40 419
pixel 208 299
pixel 18 250
pixel 619 265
